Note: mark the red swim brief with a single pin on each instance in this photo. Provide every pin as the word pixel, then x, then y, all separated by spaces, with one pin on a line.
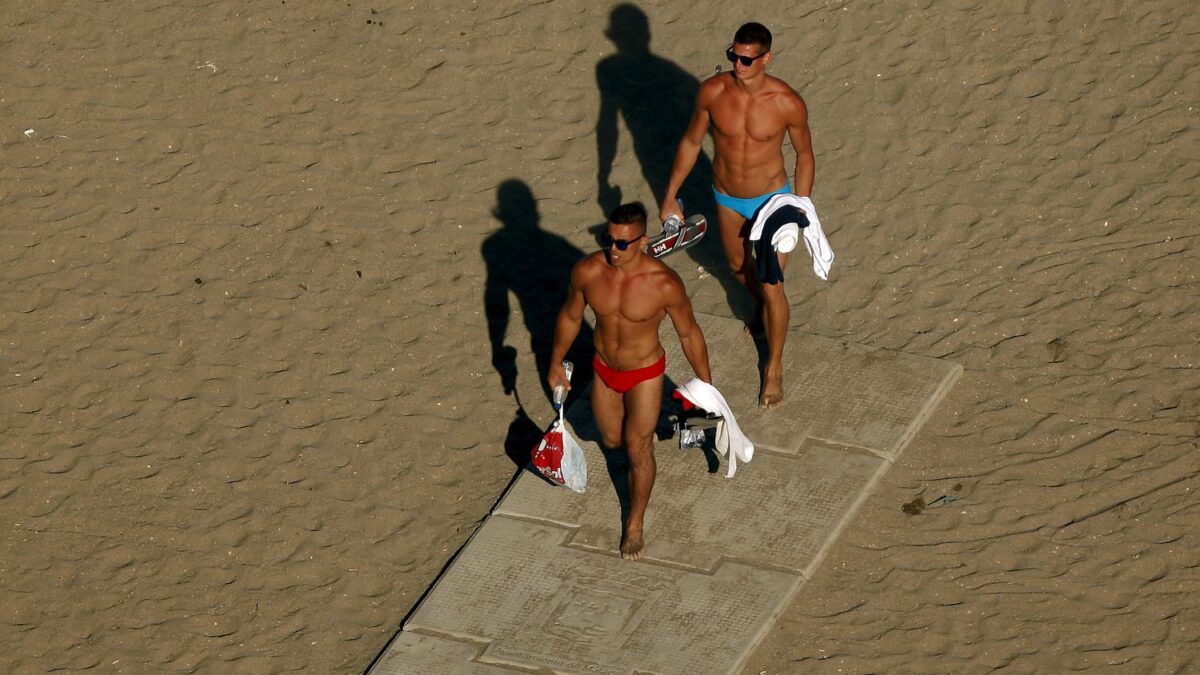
pixel 622 381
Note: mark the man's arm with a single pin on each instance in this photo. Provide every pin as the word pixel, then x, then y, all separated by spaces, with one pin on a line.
pixel 679 308
pixel 566 328
pixel 686 155
pixel 806 164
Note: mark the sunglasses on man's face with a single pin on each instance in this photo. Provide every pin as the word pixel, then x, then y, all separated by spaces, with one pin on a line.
pixel 746 60
pixel 607 241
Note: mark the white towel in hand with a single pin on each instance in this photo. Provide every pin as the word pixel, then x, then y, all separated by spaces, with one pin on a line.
pixel 730 439
pixel 814 237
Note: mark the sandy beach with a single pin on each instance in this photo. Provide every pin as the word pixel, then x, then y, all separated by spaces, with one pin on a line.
pixel 277 281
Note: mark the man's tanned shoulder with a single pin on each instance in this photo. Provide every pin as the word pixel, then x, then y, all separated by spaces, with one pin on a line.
pixel 588 267
pixel 667 281
pixel 592 261
pixel 713 87
pixel 788 99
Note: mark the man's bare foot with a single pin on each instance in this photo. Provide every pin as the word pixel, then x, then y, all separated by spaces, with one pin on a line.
pixel 772 391
pixel 770 401
pixel 631 545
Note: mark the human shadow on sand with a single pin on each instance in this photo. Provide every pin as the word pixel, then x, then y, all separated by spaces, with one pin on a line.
pixel 534 266
pixel 655 98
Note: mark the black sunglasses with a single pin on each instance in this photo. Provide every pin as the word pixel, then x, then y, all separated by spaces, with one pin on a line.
pixel 746 60
pixel 606 241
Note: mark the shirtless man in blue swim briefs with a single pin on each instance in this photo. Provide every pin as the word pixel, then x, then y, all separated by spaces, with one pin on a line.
pixel 630 293
pixel 749 112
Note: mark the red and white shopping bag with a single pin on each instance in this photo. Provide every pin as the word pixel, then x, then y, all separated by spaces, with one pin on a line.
pixel 559 458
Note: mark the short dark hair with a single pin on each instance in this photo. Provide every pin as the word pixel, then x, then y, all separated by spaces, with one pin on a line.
pixel 753 33
pixel 632 213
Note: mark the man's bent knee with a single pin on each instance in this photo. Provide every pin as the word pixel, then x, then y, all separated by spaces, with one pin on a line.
pixel 639 446
pixel 774 292
pixel 737 266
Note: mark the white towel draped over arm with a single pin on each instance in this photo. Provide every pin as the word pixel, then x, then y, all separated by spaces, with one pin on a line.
pixel 814 236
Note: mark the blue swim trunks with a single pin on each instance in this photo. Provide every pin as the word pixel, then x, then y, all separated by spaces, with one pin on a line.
pixel 747 207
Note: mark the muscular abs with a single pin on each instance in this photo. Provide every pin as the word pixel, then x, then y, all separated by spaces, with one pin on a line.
pixel 748 134
pixel 628 314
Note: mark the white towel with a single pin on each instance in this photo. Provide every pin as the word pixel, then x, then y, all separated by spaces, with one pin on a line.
pixel 785 238
pixel 814 237
pixel 731 441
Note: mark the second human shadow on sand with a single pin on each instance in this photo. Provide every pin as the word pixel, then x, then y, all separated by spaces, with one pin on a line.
pixel 655 98
pixel 534 266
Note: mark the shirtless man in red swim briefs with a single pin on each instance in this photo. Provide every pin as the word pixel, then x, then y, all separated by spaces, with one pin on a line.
pixel 630 293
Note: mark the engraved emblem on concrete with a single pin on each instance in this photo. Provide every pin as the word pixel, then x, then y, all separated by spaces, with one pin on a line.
pixel 597 609
pixel 538 604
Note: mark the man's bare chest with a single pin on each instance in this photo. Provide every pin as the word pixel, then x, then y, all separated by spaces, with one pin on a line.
pixel 628 302
pixel 748 120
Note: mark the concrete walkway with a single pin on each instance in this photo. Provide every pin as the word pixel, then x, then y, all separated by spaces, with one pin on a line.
pixel 540 587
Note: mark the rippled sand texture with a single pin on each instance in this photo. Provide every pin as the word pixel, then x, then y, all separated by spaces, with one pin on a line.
pixel 249 407
pixel 1015 189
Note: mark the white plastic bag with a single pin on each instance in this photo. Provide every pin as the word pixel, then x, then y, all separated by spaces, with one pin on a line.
pixel 559 458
